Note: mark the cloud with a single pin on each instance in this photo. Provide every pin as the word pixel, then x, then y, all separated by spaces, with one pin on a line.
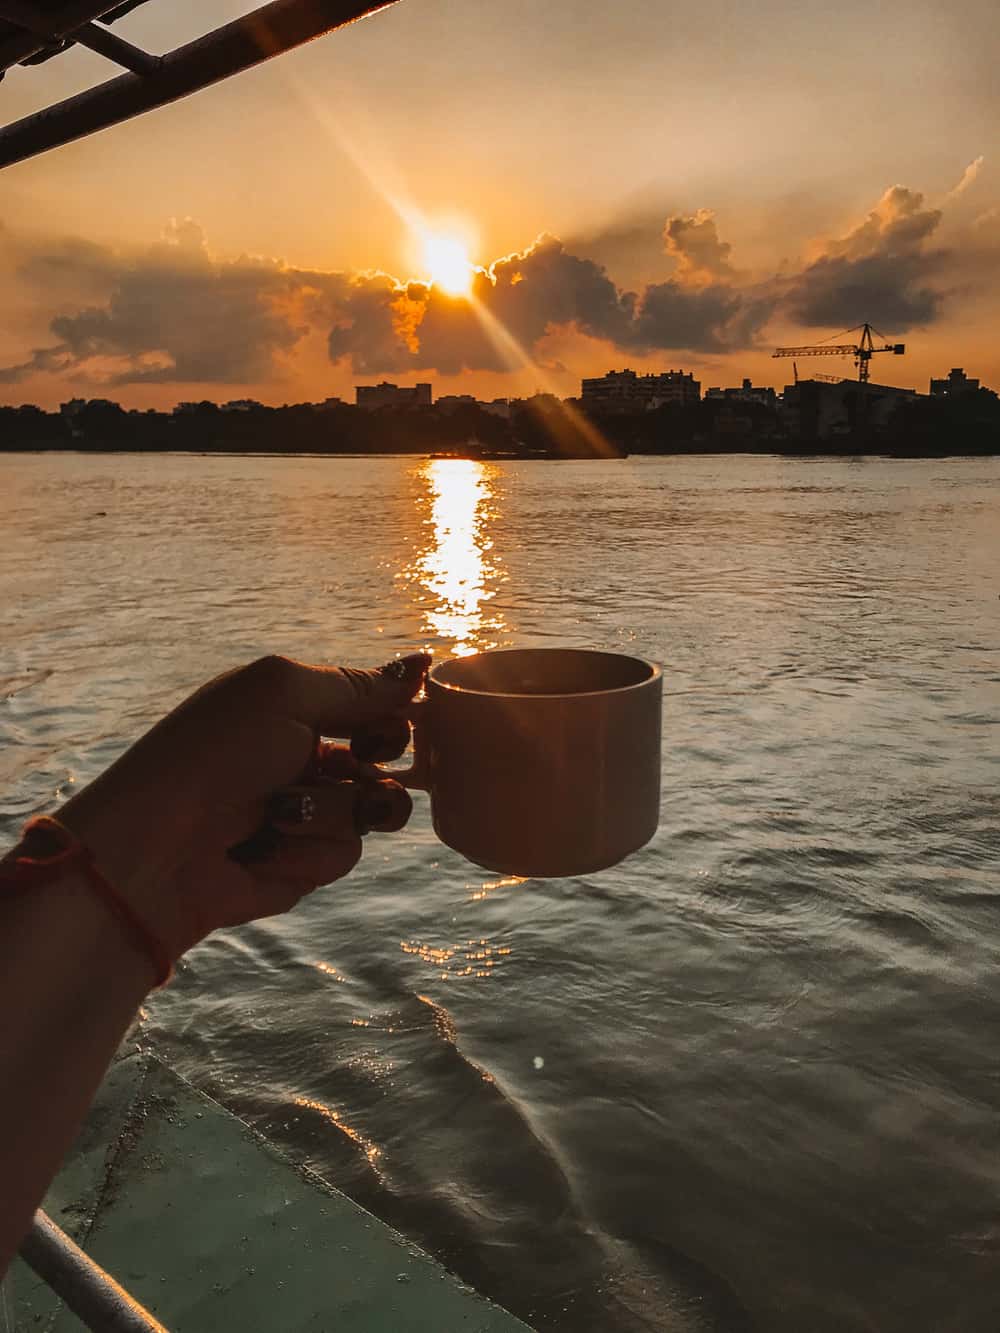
pixel 968 176
pixel 174 312
pixel 545 287
pixel 881 270
pixel 694 243
pixel 205 320
pixel 631 246
pixel 898 223
pixel 43 361
pixel 68 266
pixel 383 327
pixel 372 321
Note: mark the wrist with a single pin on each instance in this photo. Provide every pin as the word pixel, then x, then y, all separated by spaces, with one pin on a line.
pixel 106 817
pixel 80 940
pixel 150 860
pixel 128 877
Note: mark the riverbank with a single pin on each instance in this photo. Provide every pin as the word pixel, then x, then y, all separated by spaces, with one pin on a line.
pixel 540 427
pixel 839 449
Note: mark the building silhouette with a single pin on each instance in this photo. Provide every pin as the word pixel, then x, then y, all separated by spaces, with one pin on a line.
pixel 624 390
pixel 746 393
pixel 372 396
pixel 819 410
pixel 956 384
pixel 451 402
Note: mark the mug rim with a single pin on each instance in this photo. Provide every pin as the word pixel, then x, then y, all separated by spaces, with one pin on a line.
pixel 654 669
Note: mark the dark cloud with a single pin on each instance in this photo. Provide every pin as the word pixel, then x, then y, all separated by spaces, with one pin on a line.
pixel 547 286
pixel 69 265
pixel 372 319
pixel 383 328
pixel 527 294
pixel 891 291
pixel 172 314
pixel 521 297
pixel 176 313
pixel 882 270
pixel 711 318
pixel 694 243
pixel 450 336
pixel 43 361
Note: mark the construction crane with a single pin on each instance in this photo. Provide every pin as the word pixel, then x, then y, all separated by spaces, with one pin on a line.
pixel 862 350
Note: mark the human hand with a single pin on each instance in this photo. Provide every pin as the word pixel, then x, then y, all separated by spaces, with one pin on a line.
pixel 202 823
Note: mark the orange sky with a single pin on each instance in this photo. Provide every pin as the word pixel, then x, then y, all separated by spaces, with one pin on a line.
pixel 709 182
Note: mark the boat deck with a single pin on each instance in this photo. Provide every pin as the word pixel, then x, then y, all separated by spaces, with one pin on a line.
pixel 213 1229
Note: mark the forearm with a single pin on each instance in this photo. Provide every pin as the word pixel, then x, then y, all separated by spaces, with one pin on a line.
pixel 151 844
pixel 70 983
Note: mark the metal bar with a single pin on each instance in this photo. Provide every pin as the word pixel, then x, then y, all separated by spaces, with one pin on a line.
pixel 92 1294
pixel 834 349
pixel 102 41
pixel 67 20
pixel 247 41
pixel 115 48
pixel 26 15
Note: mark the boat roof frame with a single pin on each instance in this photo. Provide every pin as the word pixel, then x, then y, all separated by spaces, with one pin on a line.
pixel 31 31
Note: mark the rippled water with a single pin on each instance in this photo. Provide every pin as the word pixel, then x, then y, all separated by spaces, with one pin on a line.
pixel 748 1078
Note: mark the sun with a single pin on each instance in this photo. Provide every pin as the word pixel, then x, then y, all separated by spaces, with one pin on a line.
pixel 447 263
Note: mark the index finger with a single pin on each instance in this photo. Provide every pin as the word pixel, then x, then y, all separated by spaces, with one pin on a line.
pixel 334 701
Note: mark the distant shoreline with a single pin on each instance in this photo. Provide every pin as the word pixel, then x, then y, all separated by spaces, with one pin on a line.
pixel 762 451
pixel 539 427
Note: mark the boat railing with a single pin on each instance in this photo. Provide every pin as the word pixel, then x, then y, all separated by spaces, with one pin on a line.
pixel 84 1287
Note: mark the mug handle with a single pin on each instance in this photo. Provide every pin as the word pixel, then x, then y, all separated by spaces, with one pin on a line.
pixel 417 776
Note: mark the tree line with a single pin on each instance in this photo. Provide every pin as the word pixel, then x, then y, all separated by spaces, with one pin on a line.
pixel 543 426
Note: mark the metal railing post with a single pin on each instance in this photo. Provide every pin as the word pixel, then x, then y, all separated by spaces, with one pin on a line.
pixel 85 1288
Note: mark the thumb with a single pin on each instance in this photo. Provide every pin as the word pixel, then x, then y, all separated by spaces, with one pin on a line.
pixel 336 701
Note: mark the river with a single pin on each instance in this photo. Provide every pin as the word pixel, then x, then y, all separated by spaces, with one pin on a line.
pixel 748 1078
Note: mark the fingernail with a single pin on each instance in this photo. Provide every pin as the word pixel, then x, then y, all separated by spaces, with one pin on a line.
pixel 291 807
pixel 409 668
pixel 371 810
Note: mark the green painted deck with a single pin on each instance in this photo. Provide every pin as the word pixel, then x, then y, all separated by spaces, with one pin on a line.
pixel 213 1229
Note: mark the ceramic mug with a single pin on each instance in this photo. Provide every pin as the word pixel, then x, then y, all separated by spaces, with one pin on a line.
pixel 540 761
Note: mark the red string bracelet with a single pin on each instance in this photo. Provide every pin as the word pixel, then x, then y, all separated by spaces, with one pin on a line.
pixel 25 872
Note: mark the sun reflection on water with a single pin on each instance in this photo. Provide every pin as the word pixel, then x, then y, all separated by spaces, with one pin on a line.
pixel 490 886
pixel 371 1151
pixel 473 958
pixel 455 569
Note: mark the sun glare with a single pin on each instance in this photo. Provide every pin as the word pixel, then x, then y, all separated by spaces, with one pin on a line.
pixel 447 263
